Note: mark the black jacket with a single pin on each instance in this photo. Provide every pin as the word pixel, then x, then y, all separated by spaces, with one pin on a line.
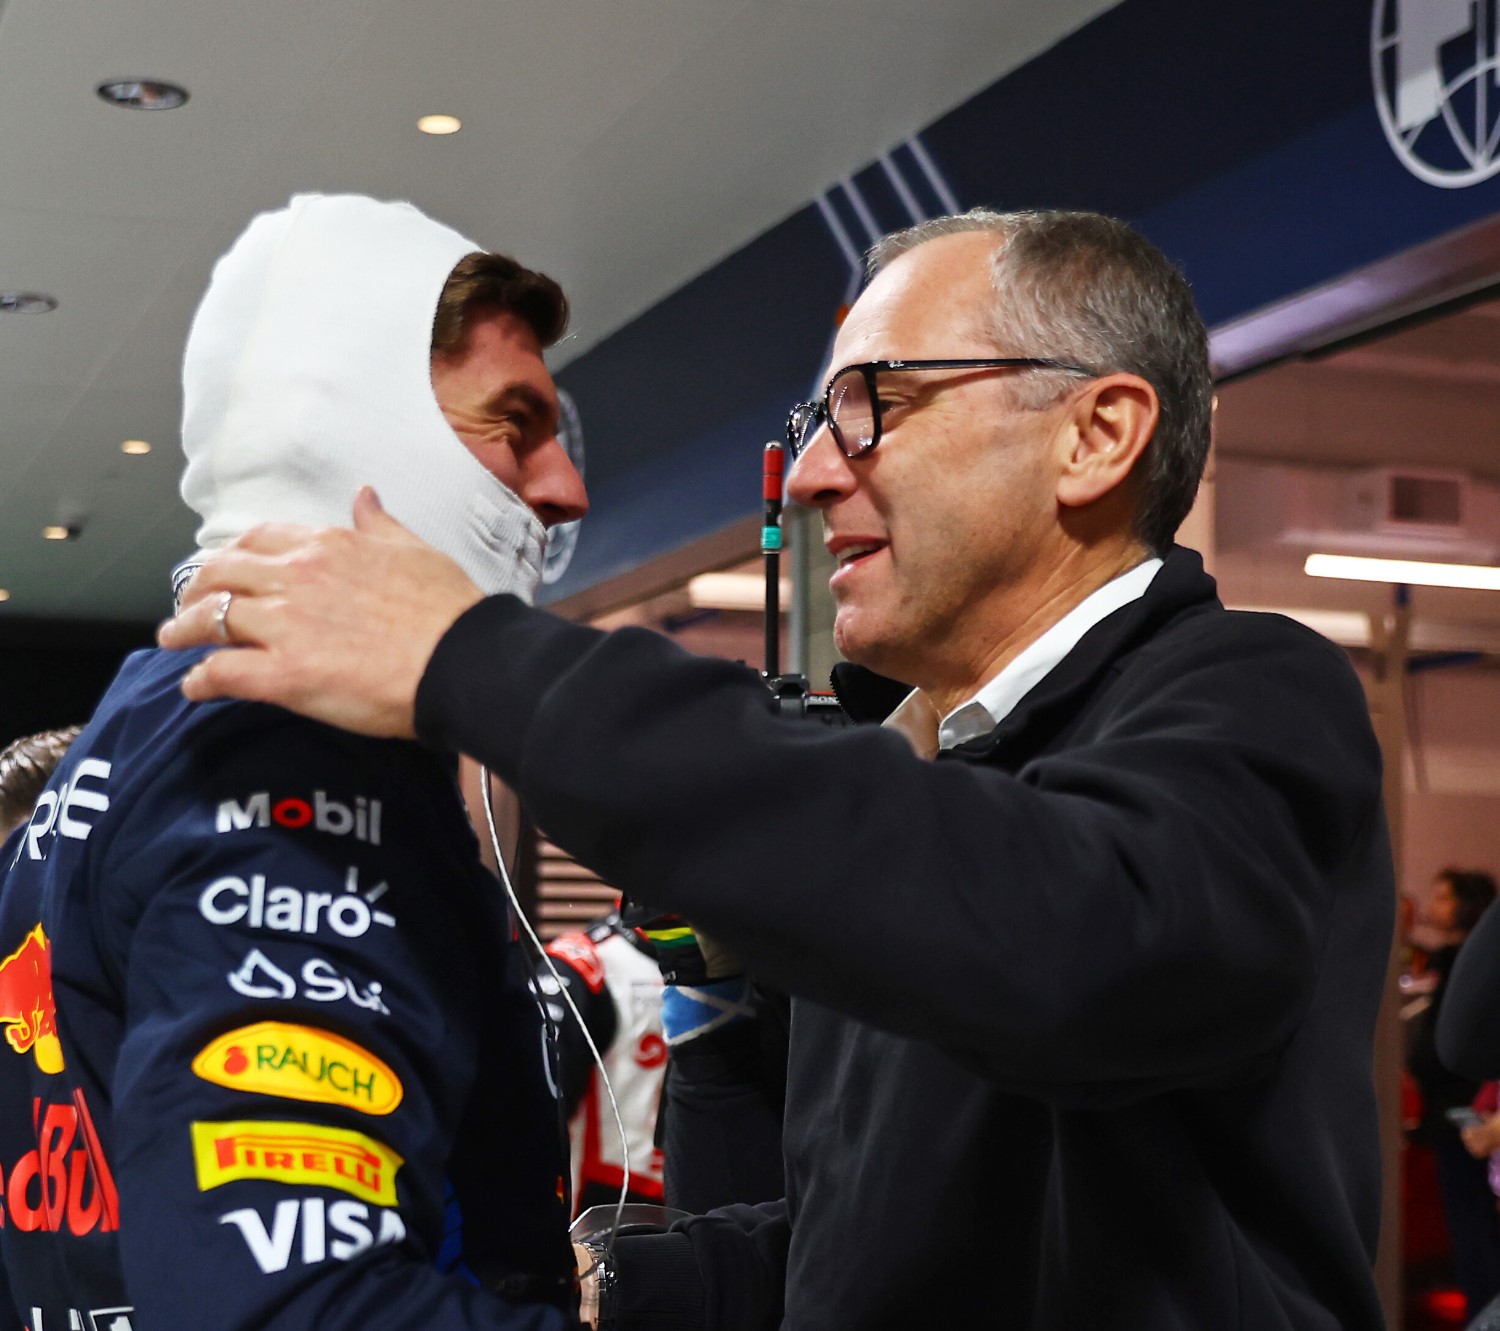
pixel 1468 1025
pixel 260 1005
pixel 1106 977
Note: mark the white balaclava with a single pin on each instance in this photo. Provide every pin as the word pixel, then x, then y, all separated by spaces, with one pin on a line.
pixel 308 374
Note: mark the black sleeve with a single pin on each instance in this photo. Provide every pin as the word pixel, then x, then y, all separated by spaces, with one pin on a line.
pixel 720 1272
pixel 1468 1024
pixel 1045 925
pixel 313 976
pixel 725 1094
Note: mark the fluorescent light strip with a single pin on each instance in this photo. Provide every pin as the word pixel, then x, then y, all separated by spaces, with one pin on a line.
pixel 732 591
pixel 1478 577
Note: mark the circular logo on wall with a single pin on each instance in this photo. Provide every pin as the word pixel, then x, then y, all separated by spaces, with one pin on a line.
pixel 562 540
pixel 1436 87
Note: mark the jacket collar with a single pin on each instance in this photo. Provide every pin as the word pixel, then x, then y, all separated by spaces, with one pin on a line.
pixel 1181 585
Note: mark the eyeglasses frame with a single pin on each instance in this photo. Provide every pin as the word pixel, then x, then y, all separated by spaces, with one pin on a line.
pixel 868 369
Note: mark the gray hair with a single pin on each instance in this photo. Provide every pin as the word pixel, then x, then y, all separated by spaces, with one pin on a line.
pixel 1086 288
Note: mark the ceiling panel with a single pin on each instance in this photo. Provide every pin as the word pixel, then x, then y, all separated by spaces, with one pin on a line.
pixel 249 69
pixel 623 147
pixel 104 272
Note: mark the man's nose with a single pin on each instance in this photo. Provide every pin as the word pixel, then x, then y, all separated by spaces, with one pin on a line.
pixel 552 487
pixel 821 475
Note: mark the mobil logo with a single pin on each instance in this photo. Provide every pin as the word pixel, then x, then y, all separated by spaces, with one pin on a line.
pixel 63 1184
pixel 300 1063
pixel 27 1009
pixel 69 811
pixel 359 818
pixel 286 909
pixel 313 1230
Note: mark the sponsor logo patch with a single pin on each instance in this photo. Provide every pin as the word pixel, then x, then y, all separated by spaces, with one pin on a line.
pixel 338 1230
pixel 300 1063
pixel 291 910
pixel 260 977
pixel 296 1153
pixel 27 1009
pixel 91 1319
pixel 361 820
pixel 68 811
pixel 63 1184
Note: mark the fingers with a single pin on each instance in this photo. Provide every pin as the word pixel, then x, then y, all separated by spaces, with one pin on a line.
pixel 230 674
pixel 371 518
pixel 207 622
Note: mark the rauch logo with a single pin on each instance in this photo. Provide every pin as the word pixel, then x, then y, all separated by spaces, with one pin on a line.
pixel 300 1063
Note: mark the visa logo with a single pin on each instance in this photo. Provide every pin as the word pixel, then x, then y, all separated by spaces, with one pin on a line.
pixel 312 1230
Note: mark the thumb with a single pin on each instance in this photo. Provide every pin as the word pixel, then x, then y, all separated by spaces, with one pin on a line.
pixel 370 516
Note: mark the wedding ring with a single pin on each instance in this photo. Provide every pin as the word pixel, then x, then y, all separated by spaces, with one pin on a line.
pixel 221 617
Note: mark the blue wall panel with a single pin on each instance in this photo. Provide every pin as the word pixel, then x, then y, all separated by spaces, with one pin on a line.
pixel 1243 139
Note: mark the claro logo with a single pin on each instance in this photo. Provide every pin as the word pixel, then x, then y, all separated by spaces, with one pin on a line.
pixel 362 821
pixel 286 909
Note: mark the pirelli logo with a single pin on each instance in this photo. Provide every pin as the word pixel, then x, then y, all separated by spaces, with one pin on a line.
pixel 302 1153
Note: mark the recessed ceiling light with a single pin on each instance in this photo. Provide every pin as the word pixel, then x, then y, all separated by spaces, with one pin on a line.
pixel 440 124
pixel 58 533
pixel 26 302
pixel 1480 577
pixel 143 94
pixel 135 447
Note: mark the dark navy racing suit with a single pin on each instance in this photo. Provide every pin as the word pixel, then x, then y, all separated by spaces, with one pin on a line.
pixel 260 1003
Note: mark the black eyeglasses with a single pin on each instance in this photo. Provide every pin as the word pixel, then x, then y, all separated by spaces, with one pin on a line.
pixel 850 405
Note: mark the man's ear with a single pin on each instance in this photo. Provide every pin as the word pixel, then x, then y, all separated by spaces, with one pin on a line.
pixel 1104 436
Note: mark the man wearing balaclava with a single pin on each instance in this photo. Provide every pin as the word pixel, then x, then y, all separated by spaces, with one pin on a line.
pixel 260 999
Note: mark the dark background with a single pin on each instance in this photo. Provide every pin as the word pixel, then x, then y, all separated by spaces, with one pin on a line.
pixel 53 672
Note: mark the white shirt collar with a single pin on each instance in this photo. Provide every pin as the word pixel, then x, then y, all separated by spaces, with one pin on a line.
pixel 997 699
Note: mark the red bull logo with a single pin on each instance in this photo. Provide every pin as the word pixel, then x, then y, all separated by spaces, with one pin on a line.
pixel 64 1183
pixel 27 1010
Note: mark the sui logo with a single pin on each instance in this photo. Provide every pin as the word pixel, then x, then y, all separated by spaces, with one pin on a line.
pixel 1437 87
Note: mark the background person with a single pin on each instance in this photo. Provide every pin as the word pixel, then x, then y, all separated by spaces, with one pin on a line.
pixel 1083 1006
pixel 25 765
pixel 260 999
pixel 1459 898
pixel 611 974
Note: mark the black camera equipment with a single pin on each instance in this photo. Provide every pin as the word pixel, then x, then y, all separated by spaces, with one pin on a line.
pixel 793 697
pixel 791 692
